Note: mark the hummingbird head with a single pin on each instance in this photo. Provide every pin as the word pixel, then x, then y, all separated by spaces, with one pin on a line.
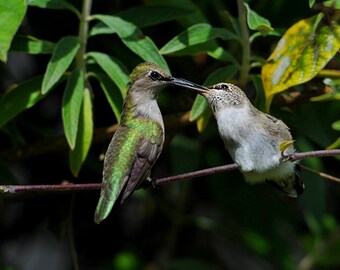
pixel 150 78
pixel 225 95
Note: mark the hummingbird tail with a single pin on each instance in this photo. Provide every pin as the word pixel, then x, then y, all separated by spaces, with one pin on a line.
pixel 103 209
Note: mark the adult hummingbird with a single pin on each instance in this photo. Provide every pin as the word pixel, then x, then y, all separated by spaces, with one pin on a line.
pixel 253 139
pixel 138 141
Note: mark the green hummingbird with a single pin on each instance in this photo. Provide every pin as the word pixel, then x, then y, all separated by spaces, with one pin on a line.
pixel 139 139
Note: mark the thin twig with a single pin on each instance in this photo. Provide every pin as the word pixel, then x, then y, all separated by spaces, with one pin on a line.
pixel 156 182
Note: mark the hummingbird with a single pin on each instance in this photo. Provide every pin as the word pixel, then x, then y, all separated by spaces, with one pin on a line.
pixel 139 139
pixel 253 139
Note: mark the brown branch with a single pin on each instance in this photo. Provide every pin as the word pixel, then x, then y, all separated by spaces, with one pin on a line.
pixel 159 181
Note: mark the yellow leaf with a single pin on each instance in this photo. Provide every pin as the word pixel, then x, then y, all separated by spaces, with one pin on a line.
pixel 301 53
pixel 284 145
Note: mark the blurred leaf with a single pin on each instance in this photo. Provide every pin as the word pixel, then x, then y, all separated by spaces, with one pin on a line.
pixel 196 34
pixel 32 45
pixel 336 125
pixel 334 145
pixel 62 57
pixel 332 4
pixel 112 94
pixel 260 99
pixel 134 39
pixel 71 106
pixel 84 135
pixel 257 22
pixel 301 53
pixel 220 53
pixel 143 16
pixel 257 242
pixel 311 3
pixel 53 4
pixel 11 15
pixel 113 68
pixel 126 261
pixel 22 97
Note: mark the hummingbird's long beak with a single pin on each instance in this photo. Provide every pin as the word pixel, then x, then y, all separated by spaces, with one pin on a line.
pixel 189 85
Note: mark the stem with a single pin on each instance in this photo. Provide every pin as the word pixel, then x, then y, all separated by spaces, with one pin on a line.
pixel 332 73
pixel 83 34
pixel 245 66
pixel 159 181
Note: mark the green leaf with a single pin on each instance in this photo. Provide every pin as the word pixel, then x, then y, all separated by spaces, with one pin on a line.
pixel 257 22
pixel 11 15
pixel 336 125
pixel 61 59
pixel 32 45
pixel 113 95
pixel 332 4
pixel 22 97
pixel 84 135
pixel 113 68
pixel 334 145
pixel 143 16
pixel 134 39
pixel 220 53
pixel 196 34
pixel 311 3
pixel 53 4
pixel 301 53
pixel 72 101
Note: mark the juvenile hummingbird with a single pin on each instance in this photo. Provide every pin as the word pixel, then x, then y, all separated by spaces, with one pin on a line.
pixel 253 139
pixel 138 141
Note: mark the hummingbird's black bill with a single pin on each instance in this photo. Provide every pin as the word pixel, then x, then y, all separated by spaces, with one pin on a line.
pixel 189 85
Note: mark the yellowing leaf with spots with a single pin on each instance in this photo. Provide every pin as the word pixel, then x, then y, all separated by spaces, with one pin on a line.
pixel 301 53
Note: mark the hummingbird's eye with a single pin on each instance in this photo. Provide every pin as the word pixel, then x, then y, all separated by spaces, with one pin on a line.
pixel 154 75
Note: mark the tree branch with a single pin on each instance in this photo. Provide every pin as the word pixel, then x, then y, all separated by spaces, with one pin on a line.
pixel 159 181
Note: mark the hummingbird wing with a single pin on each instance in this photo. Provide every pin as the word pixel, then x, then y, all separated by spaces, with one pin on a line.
pixel 131 154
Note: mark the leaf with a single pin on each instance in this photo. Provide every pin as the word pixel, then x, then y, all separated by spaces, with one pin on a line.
pixel 32 45
pixel 113 68
pixel 62 56
pixel 71 106
pixel 113 96
pixel 84 135
pixel 284 145
pixel 257 22
pixel 336 125
pixel 11 15
pixel 134 39
pixel 311 3
pixel 334 145
pixel 22 97
pixel 143 16
pixel 220 54
pixel 53 4
pixel 301 53
pixel 196 34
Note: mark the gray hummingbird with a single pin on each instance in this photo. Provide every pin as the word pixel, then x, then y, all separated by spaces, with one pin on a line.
pixel 253 139
pixel 139 139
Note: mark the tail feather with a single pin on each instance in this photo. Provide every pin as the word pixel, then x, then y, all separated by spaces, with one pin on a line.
pixel 103 209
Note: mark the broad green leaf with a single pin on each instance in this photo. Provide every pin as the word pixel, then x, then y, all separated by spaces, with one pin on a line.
pixel 134 39
pixel 32 45
pixel 61 59
pixel 257 22
pixel 220 53
pixel 196 34
pixel 301 53
pixel 143 16
pixel 53 4
pixel 332 4
pixel 113 68
pixel 22 97
pixel 113 95
pixel 200 110
pixel 11 14
pixel 71 106
pixel 84 135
